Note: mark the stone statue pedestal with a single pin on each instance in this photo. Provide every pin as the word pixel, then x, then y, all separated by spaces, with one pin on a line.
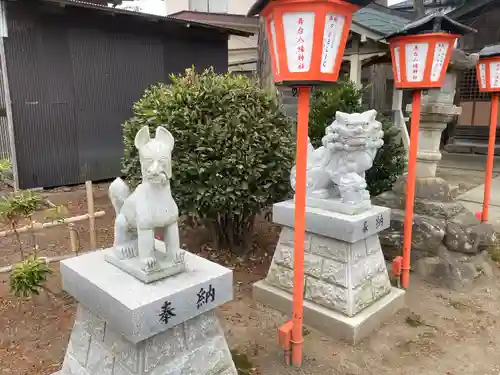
pixel 165 266
pixel 347 288
pixel 124 326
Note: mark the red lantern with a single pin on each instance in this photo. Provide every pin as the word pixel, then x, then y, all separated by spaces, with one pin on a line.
pixel 307 38
pixel 420 61
pixel 420 53
pixel 488 69
pixel 488 77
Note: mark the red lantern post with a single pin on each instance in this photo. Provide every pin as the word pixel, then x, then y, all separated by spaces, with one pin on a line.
pixel 420 53
pixel 488 76
pixel 306 39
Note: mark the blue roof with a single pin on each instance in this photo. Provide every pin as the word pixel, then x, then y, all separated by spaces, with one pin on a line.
pixel 381 22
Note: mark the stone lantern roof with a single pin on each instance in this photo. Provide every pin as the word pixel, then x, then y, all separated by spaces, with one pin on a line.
pixel 490 51
pixel 433 23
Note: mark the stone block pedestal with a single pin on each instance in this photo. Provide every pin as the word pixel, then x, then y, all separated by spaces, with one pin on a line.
pixel 126 327
pixel 347 288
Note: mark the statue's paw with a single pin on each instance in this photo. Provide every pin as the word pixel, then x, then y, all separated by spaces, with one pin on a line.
pixel 148 264
pixel 125 252
pixel 122 252
pixel 119 253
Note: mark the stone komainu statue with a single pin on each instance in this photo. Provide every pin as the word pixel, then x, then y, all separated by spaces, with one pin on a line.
pixel 336 171
pixel 149 207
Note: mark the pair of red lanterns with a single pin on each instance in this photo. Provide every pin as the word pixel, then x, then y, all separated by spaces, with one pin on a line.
pixel 307 39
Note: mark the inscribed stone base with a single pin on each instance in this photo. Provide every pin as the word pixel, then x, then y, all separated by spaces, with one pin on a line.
pixel 340 276
pixel 344 268
pixel 196 346
pixel 134 308
pixel 127 327
pixel 348 228
pixel 329 322
pixel 336 205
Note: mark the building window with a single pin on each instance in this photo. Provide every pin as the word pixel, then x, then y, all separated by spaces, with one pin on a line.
pixel 468 88
pixel 211 6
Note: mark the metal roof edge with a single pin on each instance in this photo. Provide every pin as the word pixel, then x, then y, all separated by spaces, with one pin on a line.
pixel 467 7
pixel 180 21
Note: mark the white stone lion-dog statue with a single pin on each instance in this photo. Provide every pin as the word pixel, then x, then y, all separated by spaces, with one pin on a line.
pixel 148 208
pixel 336 171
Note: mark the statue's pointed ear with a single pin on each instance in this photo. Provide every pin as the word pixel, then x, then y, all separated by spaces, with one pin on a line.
pixel 341 117
pixel 164 136
pixel 371 114
pixel 142 137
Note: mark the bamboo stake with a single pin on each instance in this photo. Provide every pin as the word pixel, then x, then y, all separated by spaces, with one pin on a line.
pixel 47 260
pixel 38 226
pixel 73 238
pixel 90 205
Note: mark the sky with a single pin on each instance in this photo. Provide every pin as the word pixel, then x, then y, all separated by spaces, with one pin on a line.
pixel 158 6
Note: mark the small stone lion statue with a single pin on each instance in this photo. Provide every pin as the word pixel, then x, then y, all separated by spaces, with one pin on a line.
pixel 149 207
pixel 337 169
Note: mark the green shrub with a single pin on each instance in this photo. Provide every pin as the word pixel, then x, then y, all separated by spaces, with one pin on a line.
pixel 326 101
pixel 389 163
pixel 233 149
pixel 27 278
pixel 18 206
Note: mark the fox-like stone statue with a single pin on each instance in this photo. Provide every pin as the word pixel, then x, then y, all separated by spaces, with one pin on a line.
pixel 150 207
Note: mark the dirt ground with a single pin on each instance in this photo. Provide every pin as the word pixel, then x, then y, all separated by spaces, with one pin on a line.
pixel 438 333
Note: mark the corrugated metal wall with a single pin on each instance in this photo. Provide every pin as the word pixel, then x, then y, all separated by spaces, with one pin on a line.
pixel 73 78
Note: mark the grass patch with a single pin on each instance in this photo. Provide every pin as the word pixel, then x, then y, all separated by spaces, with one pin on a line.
pixel 494 249
pixel 458 305
pixel 414 320
pixel 242 363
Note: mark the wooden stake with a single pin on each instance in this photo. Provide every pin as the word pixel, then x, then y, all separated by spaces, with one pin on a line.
pixel 38 226
pixel 90 206
pixel 73 238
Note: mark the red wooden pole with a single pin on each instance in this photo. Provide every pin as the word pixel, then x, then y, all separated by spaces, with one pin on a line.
pixel 410 186
pixel 300 220
pixel 491 156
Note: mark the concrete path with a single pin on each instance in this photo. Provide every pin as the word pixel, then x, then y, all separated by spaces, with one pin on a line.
pixel 473 200
pixel 467 162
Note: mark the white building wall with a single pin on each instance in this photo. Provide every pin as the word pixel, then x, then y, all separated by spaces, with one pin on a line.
pixel 231 6
pixel 240 48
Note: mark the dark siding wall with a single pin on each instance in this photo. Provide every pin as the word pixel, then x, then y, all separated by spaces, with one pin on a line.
pixel 74 75
pixel 485 20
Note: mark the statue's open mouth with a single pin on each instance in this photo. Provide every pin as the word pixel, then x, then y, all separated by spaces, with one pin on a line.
pixel 158 178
